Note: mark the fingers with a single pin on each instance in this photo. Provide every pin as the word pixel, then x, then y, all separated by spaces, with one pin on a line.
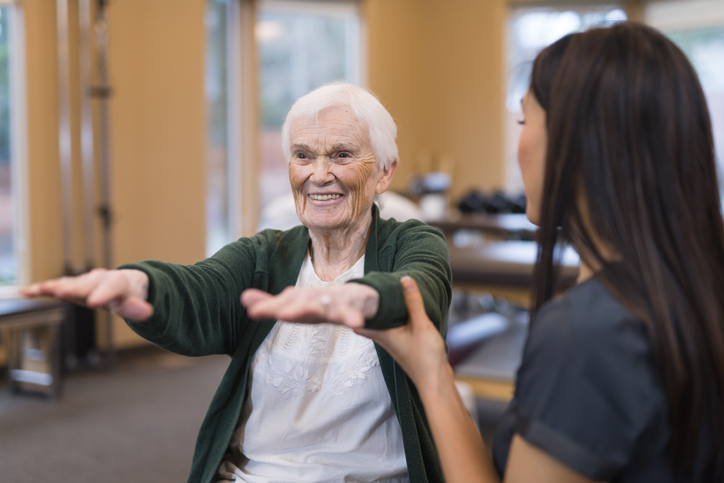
pixel 304 305
pixel 413 300
pixel 31 290
pixel 262 305
pixel 73 289
pixel 77 289
pixel 82 285
pixel 353 319
pixel 114 286
pixel 252 296
pixel 40 289
pixel 297 307
pixel 121 291
pixel 132 308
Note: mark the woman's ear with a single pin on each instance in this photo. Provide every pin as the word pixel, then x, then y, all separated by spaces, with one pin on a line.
pixel 386 178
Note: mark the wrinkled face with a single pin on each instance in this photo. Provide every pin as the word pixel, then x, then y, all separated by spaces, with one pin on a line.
pixel 333 171
pixel 532 154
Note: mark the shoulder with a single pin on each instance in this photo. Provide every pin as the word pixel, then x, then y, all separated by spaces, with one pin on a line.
pixel 589 337
pixel 271 239
pixel 588 388
pixel 263 246
pixel 392 232
pixel 277 238
pixel 391 225
pixel 591 329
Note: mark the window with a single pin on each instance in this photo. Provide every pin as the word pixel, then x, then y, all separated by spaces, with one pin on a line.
pixel 530 29
pixel 218 209
pixel 698 29
pixel 13 250
pixel 300 46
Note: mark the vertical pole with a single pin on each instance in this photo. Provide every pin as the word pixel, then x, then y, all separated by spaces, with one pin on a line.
pixel 64 134
pixel 233 154
pixel 246 130
pixel 86 134
pixel 103 92
pixel 75 346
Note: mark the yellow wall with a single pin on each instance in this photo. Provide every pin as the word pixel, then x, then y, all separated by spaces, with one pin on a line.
pixel 396 72
pixel 465 61
pixel 46 250
pixel 158 129
pixel 158 132
pixel 438 67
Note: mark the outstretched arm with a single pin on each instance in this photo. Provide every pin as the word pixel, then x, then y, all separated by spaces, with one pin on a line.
pixel 123 292
pixel 191 310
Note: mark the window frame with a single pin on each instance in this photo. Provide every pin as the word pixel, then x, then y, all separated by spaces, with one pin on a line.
pixel 353 13
pixel 232 143
pixel 18 149
pixel 684 15
pixel 332 8
pixel 513 181
pixel 241 120
pixel 681 16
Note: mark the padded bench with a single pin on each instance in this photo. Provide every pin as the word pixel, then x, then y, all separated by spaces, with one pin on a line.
pixel 487 350
pixel 33 330
pixel 505 268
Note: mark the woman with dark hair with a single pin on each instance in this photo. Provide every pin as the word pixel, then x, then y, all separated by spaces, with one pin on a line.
pixel 622 378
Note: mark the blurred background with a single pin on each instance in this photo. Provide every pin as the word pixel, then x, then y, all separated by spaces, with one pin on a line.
pixel 137 129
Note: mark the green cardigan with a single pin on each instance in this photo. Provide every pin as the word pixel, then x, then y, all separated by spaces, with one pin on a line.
pixel 197 312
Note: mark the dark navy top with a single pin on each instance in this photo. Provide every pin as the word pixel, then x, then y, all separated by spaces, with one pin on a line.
pixel 588 392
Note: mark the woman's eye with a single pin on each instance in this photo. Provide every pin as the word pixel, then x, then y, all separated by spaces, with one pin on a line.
pixel 521 122
pixel 344 155
pixel 300 156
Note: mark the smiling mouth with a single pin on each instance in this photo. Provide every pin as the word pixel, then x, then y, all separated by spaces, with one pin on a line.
pixel 325 197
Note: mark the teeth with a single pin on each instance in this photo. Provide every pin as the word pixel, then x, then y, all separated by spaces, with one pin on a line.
pixel 325 197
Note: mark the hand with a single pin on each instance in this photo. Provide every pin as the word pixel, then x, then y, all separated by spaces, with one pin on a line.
pixel 123 292
pixel 417 346
pixel 349 304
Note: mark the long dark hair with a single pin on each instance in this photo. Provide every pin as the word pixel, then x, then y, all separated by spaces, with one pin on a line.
pixel 630 167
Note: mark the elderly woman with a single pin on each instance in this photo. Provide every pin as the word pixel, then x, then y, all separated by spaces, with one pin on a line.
pixel 301 402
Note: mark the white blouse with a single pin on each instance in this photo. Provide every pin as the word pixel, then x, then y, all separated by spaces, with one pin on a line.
pixel 317 409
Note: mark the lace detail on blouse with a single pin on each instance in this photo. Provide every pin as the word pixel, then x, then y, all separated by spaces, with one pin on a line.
pixel 293 360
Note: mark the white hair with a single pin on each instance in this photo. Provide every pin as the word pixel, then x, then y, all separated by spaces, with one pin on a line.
pixel 364 105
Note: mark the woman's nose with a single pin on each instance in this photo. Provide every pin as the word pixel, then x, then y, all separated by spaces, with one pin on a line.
pixel 321 171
